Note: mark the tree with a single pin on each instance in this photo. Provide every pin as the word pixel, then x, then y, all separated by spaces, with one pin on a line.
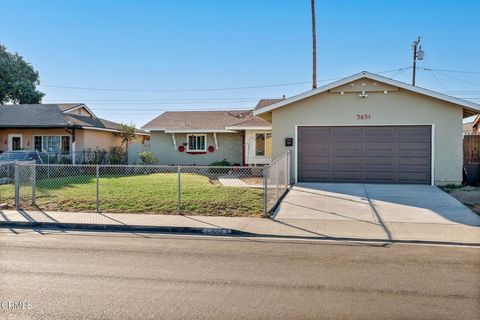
pixel 17 79
pixel 127 134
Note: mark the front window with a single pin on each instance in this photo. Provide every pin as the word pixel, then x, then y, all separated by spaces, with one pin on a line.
pixel 52 144
pixel 263 144
pixel 197 142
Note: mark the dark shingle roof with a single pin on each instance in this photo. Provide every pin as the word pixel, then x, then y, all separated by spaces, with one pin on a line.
pixel 49 116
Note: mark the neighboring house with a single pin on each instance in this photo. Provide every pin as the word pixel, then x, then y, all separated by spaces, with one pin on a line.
pixel 370 129
pixel 57 128
pixel 472 127
pixel 204 137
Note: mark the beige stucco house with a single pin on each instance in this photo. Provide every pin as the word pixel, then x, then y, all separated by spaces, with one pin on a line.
pixel 368 128
pixel 205 137
pixel 58 129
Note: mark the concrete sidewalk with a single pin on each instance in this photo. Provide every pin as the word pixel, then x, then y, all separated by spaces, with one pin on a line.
pixel 304 228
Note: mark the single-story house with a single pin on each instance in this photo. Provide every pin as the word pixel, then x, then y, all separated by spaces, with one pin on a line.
pixel 472 127
pixel 58 128
pixel 205 137
pixel 368 128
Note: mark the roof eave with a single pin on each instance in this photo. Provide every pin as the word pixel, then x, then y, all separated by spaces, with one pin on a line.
pixel 468 105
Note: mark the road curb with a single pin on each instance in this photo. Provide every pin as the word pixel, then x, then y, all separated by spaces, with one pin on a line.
pixel 210 232
pixel 122 228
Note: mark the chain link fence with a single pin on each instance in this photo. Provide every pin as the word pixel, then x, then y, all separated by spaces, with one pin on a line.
pixel 7 186
pixel 277 181
pixel 189 190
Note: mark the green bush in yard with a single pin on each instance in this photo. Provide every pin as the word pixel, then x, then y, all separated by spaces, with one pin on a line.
pixel 117 156
pixel 147 158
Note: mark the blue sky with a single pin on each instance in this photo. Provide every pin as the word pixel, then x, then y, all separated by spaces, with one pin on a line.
pixel 169 45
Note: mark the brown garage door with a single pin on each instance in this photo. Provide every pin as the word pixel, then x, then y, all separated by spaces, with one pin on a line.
pixel 373 154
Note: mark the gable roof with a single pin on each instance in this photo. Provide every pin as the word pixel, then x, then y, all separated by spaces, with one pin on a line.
pixel 52 116
pixel 476 123
pixel 204 121
pixel 266 102
pixel 470 108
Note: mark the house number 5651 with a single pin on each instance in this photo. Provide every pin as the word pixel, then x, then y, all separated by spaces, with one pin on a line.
pixel 363 117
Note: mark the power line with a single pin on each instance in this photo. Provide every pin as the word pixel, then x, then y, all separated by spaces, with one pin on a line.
pixel 451 71
pixel 200 89
pixel 159 100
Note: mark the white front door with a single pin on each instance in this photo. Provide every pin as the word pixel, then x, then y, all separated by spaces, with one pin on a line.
pixel 15 142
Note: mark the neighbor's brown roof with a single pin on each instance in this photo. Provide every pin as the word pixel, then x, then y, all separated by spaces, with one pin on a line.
pixel 266 102
pixel 476 122
pixel 202 120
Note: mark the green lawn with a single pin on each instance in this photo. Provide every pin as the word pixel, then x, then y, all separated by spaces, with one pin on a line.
pixel 153 193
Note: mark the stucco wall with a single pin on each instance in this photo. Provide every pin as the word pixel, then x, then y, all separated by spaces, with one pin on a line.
pixel 229 148
pixel 27 136
pixel 85 139
pixel 395 108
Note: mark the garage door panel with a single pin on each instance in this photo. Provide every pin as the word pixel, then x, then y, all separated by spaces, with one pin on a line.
pixel 315 146
pixel 340 131
pixel 355 146
pixel 414 161
pixel 379 161
pixel 355 160
pixel 377 154
pixel 380 131
pixel 312 175
pixel 388 146
pixel 378 176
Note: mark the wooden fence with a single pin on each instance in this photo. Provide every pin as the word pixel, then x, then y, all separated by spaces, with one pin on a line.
pixel 471 149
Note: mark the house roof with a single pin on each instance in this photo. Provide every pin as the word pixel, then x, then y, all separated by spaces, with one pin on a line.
pixel 469 108
pixel 204 121
pixel 52 116
pixel 476 122
pixel 266 102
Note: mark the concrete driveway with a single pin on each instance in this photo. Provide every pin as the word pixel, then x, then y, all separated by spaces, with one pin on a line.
pixel 374 203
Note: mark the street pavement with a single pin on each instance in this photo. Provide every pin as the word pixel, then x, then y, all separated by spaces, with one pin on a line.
pixel 86 275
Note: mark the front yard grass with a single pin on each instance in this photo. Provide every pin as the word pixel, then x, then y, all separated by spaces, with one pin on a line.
pixel 152 193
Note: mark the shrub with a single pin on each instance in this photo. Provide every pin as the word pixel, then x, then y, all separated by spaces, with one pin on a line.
pixel 117 156
pixel 147 158
pixel 223 163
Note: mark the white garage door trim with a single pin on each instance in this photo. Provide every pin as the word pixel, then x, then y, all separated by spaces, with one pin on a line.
pixel 432 126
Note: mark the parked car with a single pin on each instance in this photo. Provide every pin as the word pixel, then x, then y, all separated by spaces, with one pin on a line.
pixel 21 155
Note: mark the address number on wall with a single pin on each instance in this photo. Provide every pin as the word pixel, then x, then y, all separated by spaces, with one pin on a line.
pixel 363 117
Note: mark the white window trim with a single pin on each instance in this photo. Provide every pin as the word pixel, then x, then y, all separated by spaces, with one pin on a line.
pixel 54 135
pixel 14 135
pixel 264 141
pixel 196 135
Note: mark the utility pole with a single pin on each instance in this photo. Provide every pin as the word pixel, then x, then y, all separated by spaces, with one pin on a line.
pixel 314 47
pixel 418 53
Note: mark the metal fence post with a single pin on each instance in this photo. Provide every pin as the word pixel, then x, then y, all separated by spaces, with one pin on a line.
pixel 17 186
pixel 98 184
pixel 179 191
pixel 277 174
pixel 265 190
pixel 289 179
pixel 33 179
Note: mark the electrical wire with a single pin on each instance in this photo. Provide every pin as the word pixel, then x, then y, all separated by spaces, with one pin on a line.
pixel 199 89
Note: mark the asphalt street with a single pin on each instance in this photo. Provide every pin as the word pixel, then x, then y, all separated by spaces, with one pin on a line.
pixel 75 275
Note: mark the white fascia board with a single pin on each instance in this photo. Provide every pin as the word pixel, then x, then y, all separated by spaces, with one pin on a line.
pixel 196 131
pixel 79 107
pixel 113 130
pixel 475 107
pixel 249 128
